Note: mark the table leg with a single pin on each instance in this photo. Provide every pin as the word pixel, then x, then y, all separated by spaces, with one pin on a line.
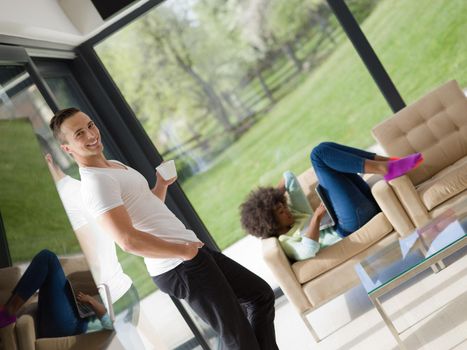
pixel 388 321
pixel 441 264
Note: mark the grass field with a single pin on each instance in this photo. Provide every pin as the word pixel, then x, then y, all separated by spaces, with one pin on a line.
pixel 422 44
pixel 31 209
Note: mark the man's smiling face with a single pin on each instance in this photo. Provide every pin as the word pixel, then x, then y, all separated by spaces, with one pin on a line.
pixel 82 137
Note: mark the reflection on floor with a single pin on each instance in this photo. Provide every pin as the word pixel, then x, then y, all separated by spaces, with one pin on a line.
pixel 432 308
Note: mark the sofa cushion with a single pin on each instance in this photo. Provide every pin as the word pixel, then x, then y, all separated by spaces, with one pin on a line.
pixel 343 250
pixel 9 277
pixel 308 182
pixel 343 277
pixel 96 340
pixel 444 185
pixel 8 338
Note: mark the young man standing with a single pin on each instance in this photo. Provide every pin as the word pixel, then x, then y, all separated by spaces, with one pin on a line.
pixel 136 217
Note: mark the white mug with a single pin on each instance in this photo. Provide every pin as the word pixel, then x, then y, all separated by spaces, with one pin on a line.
pixel 167 169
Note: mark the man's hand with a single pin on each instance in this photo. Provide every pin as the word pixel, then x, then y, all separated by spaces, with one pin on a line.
pixel 160 190
pixel 191 250
pixel 55 171
pixel 162 181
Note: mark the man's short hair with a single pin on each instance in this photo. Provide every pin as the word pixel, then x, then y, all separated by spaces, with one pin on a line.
pixel 257 212
pixel 58 119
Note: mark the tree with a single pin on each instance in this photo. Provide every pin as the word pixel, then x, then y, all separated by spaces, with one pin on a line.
pixel 170 35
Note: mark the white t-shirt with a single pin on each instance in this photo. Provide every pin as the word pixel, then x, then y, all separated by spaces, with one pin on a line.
pixel 97 246
pixel 103 189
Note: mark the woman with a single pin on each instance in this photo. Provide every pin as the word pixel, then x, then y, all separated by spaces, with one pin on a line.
pixel 57 315
pixel 266 212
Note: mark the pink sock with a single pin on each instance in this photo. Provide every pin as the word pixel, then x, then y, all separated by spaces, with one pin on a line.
pixel 402 166
pixel 5 318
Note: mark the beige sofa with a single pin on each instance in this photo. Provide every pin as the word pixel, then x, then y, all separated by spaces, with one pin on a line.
pixel 22 335
pixel 311 283
pixel 436 126
pixel 9 276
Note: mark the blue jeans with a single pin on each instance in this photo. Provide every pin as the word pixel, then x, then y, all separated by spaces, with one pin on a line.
pixel 56 312
pixel 336 167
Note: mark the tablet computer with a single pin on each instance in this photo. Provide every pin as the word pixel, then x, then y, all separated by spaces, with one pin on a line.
pixel 328 219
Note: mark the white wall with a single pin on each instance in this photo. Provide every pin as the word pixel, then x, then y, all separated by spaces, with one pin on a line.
pixel 46 20
pixel 37 19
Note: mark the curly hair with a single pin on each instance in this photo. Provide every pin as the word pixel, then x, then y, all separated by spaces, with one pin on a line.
pixel 257 212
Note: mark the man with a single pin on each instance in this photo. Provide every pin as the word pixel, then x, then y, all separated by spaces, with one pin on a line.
pixel 101 255
pixel 137 219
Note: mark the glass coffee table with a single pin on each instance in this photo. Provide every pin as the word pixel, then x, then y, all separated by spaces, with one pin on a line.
pixel 402 260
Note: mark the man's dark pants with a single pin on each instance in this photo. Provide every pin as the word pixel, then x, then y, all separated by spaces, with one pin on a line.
pixel 235 302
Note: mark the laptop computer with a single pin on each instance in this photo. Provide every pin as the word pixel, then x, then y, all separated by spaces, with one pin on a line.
pixel 329 219
pixel 84 310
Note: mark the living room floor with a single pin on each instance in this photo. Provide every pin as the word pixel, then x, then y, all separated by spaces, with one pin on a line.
pixel 435 303
pixel 432 307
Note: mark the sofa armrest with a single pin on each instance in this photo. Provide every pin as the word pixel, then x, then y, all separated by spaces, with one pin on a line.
pixel 408 196
pixel 26 332
pixel 94 340
pixel 278 263
pixel 8 338
pixel 392 208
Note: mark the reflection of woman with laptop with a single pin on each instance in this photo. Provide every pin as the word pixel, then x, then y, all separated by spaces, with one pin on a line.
pixel 301 234
pixel 57 313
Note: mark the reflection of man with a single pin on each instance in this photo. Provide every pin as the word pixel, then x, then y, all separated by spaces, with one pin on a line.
pixel 138 220
pixel 99 249
pixel 101 255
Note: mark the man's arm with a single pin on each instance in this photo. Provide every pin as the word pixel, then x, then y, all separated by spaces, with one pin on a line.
pixel 160 190
pixel 118 223
pixel 55 171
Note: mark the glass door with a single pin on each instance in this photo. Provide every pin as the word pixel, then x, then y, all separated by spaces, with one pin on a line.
pixel 169 330
pixel 35 219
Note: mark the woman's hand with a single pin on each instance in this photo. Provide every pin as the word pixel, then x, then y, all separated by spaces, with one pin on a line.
pixel 98 308
pixel 85 298
pixel 320 211
pixel 313 229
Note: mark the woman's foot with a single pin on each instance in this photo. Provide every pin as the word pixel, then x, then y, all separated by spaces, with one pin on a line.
pixel 6 318
pixel 399 167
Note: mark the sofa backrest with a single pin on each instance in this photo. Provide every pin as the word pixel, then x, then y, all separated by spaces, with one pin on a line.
pixel 71 264
pixel 308 181
pixel 435 125
pixel 9 276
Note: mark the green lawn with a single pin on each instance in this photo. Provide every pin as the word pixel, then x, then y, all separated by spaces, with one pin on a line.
pixel 31 209
pixel 422 44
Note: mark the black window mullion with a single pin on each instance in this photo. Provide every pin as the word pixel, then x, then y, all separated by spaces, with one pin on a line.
pixel 138 148
pixel 5 257
pixel 367 54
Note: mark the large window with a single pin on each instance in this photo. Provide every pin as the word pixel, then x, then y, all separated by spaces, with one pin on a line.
pixel 421 43
pixel 67 93
pixel 237 94
pixel 31 209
